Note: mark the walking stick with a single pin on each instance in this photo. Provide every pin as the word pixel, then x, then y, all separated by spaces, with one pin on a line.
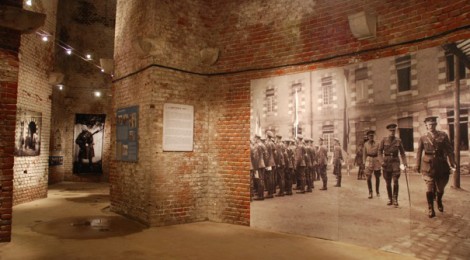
pixel 407 185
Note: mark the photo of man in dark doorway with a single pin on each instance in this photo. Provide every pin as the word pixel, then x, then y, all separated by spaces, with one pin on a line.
pixel 88 141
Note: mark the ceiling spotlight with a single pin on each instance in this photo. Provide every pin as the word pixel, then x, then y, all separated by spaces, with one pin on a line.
pixel 60 87
pixel 102 70
pixel 88 56
pixel 68 51
pixel 45 38
pixel 29 2
pixel 97 94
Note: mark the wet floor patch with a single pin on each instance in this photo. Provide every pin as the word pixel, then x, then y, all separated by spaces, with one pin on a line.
pixel 90 227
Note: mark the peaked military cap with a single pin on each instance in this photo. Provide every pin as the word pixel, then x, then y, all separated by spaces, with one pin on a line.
pixel 263 138
pixel 431 119
pixel 300 137
pixel 392 126
pixel 366 137
pixel 278 135
pixel 257 136
pixel 269 134
pixel 370 132
pixel 336 139
pixel 321 138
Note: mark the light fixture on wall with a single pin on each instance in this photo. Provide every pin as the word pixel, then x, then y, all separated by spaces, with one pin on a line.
pixel 97 93
pixel 363 25
pixel 107 66
pixel 60 86
pixel 29 2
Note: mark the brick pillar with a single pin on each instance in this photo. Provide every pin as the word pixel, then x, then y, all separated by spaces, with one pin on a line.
pixel 9 44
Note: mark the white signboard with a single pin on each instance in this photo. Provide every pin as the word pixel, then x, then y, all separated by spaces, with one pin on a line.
pixel 178 127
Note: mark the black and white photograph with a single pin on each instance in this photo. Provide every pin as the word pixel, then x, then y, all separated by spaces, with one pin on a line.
pixel 88 144
pixel 28 133
pixel 368 144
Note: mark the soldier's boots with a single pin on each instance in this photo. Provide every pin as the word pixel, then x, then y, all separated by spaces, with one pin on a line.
pixel 338 182
pixel 440 207
pixel 395 195
pixel 389 193
pixel 369 185
pixel 430 198
pixel 324 186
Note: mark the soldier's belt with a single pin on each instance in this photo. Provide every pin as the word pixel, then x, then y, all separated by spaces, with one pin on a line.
pixel 391 155
pixel 372 155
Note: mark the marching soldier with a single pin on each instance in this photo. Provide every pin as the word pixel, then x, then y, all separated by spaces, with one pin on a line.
pixel 290 165
pixel 280 164
pixel 389 149
pixel 358 160
pixel 337 162
pixel 313 162
pixel 308 166
pixel 253 171
pixel 322 160
pixel 270 164
pixel 371 159
pixel 434 166
pixel 300 163
pixel 258 166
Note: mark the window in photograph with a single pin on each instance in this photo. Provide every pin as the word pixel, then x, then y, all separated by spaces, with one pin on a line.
pixel 327 134
pixel 327 86
pixel 361 84
pixel 450 68
pixel 270 99
pixel 299 130
pixel 403 66
pixel 405 132
pixel 463 128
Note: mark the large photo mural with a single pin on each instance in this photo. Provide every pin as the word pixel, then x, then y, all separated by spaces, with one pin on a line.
pixel 88 144
pixel 362 153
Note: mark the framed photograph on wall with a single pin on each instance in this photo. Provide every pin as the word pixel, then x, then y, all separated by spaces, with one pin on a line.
pixel 28 133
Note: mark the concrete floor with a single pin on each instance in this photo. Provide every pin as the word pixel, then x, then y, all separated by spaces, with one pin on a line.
pixel 74 222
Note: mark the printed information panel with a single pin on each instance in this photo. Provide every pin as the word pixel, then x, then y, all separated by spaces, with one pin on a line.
pixel 178 125
pixel 127 134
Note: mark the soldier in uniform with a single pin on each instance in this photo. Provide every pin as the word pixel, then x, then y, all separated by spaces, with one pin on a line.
pixel 434 166
pixel 322 160
pixel 359 160
pixel 258 166
pixel 372 162
pixel 85 143
pixel 312 164
pixel 270 164
pixel 300 164
pixel 337 162
pixel 389 149
pixel 253 172
pixel 308 166
pixel 280 164
pixel 290 165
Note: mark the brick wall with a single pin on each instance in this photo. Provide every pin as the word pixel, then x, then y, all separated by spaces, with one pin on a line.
pixel 88 27
pixel 9 44
pixel 34 94
pixel 257 39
